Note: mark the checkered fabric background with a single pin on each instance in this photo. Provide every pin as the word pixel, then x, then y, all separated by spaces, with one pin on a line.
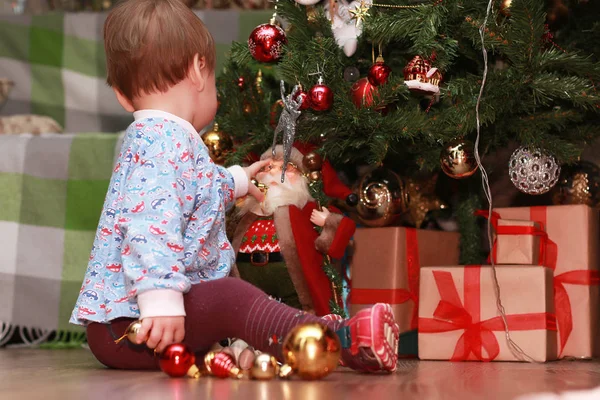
pixel 52 186
pixel 57 63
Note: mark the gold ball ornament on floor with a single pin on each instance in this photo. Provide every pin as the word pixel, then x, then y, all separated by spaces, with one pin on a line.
pixel 219 144
pixel 458 159
pixel 578 184
pixel 381 197
pixel 265 367
pixel 311 351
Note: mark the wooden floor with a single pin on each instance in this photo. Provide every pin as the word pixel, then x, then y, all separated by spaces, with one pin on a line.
pixel 74 374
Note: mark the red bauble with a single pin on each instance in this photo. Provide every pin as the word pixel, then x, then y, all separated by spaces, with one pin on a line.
pixel 363 93
pixel 176 360
pixel 223 366
pixel 305 100
pixel 241 82
pixel 378 73
pixel 320 97
pixel 265 42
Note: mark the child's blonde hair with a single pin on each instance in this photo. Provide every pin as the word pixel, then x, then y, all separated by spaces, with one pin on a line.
pixel 150 45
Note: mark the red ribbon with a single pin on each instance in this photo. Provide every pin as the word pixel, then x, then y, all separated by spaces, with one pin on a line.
pixel 548 249
pixel 451 315
pixel 562 303
pixel 398 296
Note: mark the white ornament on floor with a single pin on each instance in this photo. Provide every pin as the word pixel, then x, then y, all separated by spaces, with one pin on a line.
pixel 345 29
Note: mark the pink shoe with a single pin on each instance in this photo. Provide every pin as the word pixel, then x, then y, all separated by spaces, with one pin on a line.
pixel 375 330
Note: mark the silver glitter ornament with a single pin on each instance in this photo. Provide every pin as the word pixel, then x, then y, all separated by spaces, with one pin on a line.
pixel 533 171
pixel 287 124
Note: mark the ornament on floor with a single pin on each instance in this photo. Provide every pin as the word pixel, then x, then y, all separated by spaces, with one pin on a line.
pixel 379 71
pixel 178 360
pixel 458 159
pixel 351 74
pixel 421 78
pixel 320 96
pixel 345 30
pixel 301 94
pixel 311 351
pixel 287 124
pixel 242 353
pixel 219 144
pixel 381 197
pixel 421 199
pixel 578 184
pixel 267 40
pixel 221 365
pixel 533 171
pixel 265 367
pixel 131 332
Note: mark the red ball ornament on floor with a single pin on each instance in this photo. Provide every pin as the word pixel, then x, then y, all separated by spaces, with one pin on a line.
pixel 379 73
pixel 320 97
pixel 266 41
pixel 176 360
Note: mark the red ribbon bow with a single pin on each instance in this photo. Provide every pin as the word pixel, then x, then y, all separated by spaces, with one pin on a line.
pixel 451 315
pixel 397 296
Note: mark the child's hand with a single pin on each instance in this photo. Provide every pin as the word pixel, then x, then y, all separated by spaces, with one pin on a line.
pixel 159 332
pixel 251 171
pixel 318 217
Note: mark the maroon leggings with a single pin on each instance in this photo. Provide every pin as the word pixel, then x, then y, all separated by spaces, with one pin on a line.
pixel 216 310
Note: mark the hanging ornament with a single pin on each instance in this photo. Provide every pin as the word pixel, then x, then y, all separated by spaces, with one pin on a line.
pixel 302 95
pixel 312 351
pixel 345 30
pixel 258 82
pixel 421 199
pixel 381 197
pixel 275 112
pixel 505 7
pixel 287 125
pixel 266 41
pixel 265 367
pixel 458 159
pixel 221 365
pixel 421 78
pixel 351 74
pixel 247 107
pixel 578 184
pixel 131 332
pixel 533 171
pixel 178 360
pixel 313 161
pixel 379 71
pixel 320 96
pixel 219 144
pixel 363 93
pixel 360 12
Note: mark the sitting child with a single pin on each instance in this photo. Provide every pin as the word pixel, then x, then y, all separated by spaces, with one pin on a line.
pixel 161 252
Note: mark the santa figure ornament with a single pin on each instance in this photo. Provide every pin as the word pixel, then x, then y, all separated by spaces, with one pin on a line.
pixel 278 248
pixel 420 77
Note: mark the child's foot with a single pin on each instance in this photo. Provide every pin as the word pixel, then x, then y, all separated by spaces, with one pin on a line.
pixel 374 337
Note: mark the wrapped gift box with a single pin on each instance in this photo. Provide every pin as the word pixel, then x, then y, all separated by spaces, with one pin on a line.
pixel 385 267
pixel 459 318
pixel 517 243
pixel 572 252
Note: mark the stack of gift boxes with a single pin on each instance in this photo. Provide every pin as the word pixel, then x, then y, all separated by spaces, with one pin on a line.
pixel 547 269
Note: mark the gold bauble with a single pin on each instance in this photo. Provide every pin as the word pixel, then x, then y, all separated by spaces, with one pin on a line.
pixel 312 351
pixel 219 144
pixel 458 159
pixel 381 197
pixel 421 196
pixel 505 7
pixel 313 161
pixel 265 367
pixel 131 332
pixel 314 176
pixel 578 184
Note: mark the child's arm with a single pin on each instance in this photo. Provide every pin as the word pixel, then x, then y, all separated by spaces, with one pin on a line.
pixel 236 180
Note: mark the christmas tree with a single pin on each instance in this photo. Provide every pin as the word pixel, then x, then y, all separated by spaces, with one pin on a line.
pixel 405 78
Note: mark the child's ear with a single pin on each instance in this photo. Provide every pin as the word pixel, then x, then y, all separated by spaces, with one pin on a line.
pixel 124 101
pixel 197 73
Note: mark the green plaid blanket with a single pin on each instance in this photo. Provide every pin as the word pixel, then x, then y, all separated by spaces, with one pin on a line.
pixel 57 63
pixel 52 187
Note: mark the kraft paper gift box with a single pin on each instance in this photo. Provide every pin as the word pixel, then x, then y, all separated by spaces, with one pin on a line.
pixel 459 319
pixel 385 268
pixel 572 253
pixel 516 242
